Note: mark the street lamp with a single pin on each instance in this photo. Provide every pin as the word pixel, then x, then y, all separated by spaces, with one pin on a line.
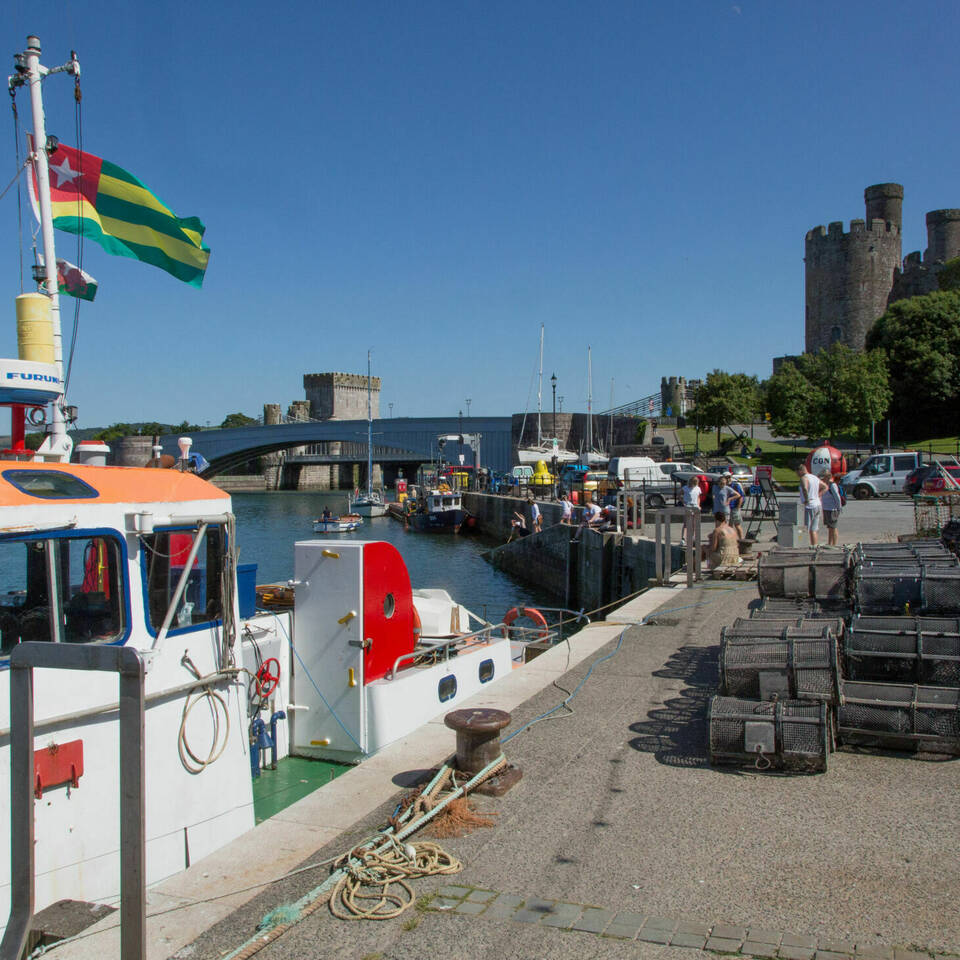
pixel 469 401
pixel 561 404
pixel 390 405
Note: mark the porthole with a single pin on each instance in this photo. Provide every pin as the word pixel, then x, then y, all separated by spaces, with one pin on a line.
pixel 447 688
pixel 485 671
pixel 389 605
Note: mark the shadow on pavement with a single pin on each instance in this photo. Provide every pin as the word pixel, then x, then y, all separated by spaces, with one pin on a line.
pixel 676 733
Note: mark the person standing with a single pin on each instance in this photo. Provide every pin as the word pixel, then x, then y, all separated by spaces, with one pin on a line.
pixel 691 501
pixel 536 521
pixel 735 501
pixel 811 489
pixel 721 496
pixel 832 503
pixel 567 506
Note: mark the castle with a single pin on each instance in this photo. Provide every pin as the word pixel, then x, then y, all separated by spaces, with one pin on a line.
pixel 851 278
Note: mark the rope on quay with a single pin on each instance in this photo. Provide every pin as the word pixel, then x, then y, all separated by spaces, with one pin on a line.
pixel 382 861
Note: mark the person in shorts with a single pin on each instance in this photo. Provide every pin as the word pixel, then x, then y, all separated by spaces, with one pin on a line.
pixel 811 489
pixel 735 502
pixel 832 504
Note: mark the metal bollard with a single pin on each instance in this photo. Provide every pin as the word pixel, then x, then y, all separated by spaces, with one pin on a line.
pixel 478 745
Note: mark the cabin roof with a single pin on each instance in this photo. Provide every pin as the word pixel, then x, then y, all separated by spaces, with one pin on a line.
pixel 106 484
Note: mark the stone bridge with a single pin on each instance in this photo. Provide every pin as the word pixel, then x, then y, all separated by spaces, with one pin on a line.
pixel 395 440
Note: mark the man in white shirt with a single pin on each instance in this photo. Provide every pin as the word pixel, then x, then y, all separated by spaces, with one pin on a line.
pixel 811 488
pixel 691 500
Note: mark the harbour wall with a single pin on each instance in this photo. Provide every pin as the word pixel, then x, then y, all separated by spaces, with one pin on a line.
pixel 581 569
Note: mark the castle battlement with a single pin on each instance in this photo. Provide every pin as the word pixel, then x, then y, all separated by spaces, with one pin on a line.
pixel 858 228
pixel 339 380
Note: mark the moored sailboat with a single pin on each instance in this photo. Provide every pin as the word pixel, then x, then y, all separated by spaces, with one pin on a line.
pixel 371 503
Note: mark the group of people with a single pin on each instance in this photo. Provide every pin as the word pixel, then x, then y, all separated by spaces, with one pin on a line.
pixel 723 545
pixel 822 501
pixel 593 516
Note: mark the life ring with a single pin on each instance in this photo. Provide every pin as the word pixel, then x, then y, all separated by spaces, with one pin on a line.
pixel 531 613
pixel 417 626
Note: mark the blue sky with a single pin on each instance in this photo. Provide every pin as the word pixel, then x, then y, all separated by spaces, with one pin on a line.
pixel 434 180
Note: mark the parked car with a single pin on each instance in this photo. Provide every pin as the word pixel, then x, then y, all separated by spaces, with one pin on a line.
pixel 880 474
pixel 935 482
pixel 914 482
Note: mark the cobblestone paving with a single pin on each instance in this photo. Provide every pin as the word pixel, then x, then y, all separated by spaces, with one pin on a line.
pixel 627 925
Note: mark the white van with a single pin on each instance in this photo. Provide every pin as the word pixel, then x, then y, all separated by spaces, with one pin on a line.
pixel 657 478
pixel 880 473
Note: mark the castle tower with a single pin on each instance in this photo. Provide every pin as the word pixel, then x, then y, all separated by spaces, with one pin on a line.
pixel 849 276
pixel 673 396
pixel 943 236
pixel 341 396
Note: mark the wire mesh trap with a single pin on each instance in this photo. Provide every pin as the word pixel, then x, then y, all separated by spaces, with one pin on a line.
pixel 793 662
pixel 914 586
pixel 924 650
pixel 786 735
pixel 900 716
pixel 817 572
pixel 779 608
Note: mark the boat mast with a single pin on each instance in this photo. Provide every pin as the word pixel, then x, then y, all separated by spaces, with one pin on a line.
pixel 589 401
pixel 540 391
pixel 369 434
pixel 57 446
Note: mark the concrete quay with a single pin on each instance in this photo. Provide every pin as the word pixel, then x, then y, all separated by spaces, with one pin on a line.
pixel 620 841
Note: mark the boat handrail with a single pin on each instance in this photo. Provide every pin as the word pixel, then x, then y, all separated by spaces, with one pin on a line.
pixel 484 633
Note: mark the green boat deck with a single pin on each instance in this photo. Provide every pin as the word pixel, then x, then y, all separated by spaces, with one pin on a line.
pixel 294 778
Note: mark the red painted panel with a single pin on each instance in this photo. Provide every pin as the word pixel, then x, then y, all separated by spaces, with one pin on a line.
pixel 385 575
pixel 56 764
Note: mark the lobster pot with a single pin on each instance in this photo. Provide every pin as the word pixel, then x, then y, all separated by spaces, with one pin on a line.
pixel 922 650
pixel 779 608
pixel 797 663
pixel 759 626
pixel 782 734
pixel 817 573
pixel 927 588
pixel 924 548
pixel 900 715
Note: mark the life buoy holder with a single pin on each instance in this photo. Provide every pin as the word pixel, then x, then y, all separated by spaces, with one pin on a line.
pixel 531 613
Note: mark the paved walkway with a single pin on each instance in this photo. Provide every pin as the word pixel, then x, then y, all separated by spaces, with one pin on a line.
pixel 622 841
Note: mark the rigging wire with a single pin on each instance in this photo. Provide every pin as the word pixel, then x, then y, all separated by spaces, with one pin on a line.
pixel 16 142
pixel 78 128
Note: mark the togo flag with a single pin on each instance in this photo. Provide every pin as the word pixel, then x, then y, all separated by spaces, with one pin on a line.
pixel 98 200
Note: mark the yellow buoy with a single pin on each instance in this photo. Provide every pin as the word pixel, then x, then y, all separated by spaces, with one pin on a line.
pixel 34 328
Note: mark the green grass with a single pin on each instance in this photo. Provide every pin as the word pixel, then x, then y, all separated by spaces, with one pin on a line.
pixel 936 445
pixel 780 455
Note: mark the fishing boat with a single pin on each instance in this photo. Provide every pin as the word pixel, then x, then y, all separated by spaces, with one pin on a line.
pixel 371 503
pixel 345 523
pixel 437 510
pixel 546 448
pixel 134 570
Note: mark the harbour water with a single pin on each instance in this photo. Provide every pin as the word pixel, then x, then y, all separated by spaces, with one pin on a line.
pixel 268 525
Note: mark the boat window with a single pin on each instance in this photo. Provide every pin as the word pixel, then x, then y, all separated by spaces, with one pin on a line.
pixel 165 553
pixel 50 484
pixel 485 671
pixel 389 606
pixel 447 688
pixel 66 589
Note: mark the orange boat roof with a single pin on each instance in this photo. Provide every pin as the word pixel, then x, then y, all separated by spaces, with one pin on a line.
pixel 112 485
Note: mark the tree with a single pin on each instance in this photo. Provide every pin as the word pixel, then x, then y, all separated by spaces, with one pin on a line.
pixel 827 393
pixel 921 340
pixel 727 398
pixel 949 277
pixel 232 420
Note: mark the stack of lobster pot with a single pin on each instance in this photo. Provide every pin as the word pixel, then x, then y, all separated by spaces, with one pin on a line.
pixel 901 579
pixel 902 683
pixel 779 683
pixel 780 608
pixel 819 573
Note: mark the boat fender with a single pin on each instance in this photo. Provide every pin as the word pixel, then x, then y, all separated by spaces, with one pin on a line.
pixel 531 613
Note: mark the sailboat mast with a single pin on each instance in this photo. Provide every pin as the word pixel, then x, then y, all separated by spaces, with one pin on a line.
pixel 369 432
pixel 540 390
pixel 589 401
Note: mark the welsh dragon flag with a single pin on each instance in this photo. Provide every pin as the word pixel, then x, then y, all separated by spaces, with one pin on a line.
pixel 98 200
